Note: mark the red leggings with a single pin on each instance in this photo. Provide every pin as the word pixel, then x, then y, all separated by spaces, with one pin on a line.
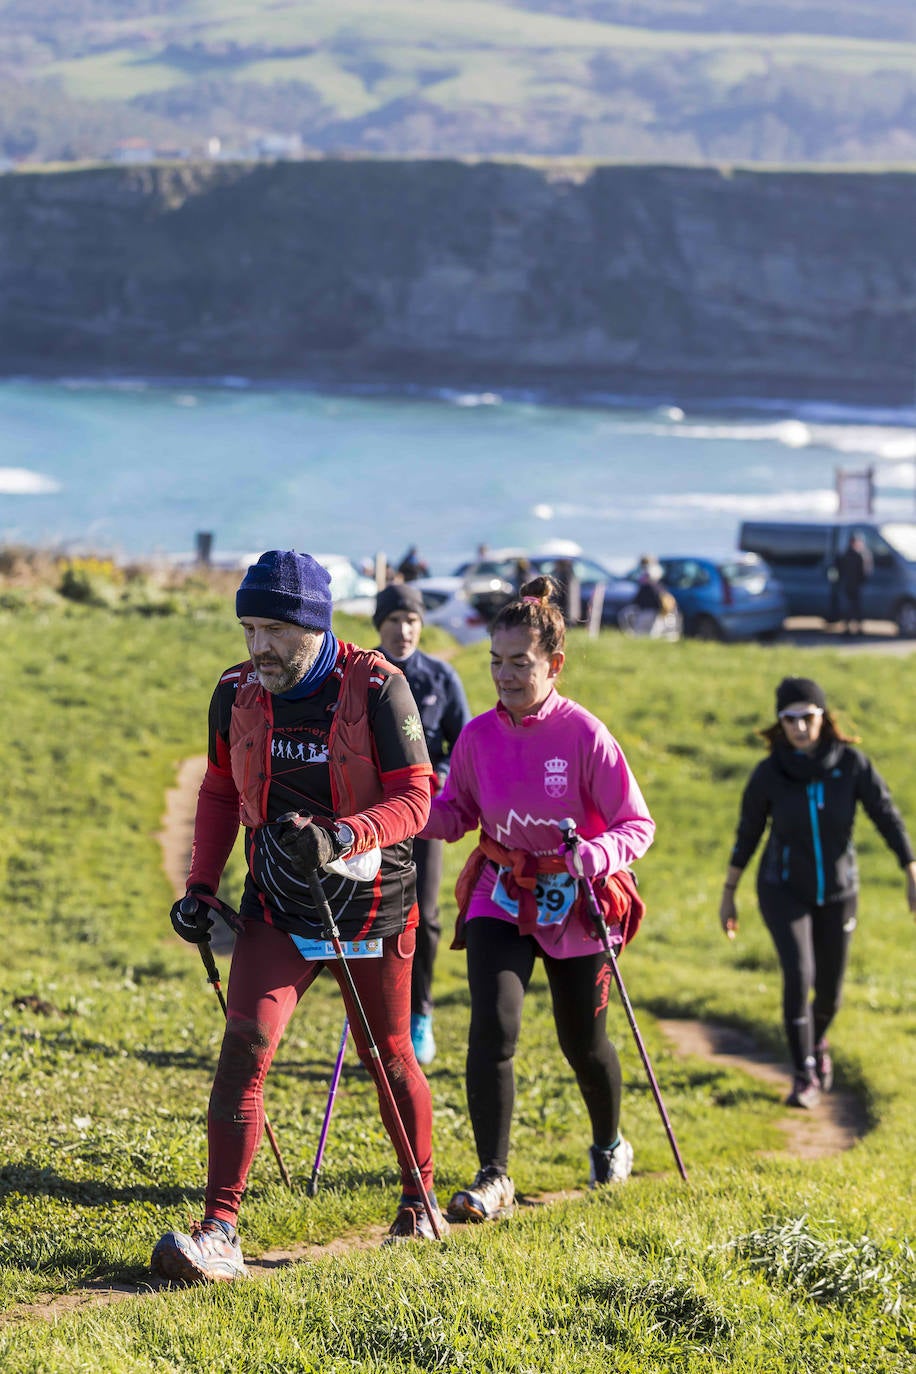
pixel 268 977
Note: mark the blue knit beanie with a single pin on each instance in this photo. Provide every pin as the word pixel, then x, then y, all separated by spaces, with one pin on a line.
pixel 285 585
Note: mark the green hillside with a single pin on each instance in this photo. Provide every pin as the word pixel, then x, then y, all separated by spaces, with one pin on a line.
pixel 795 80
pixel 763 1262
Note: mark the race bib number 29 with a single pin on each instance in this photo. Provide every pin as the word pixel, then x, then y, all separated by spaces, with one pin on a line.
pixel 554 894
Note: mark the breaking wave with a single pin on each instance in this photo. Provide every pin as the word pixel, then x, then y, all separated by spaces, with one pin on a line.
pixel 883 443
pixel 23 482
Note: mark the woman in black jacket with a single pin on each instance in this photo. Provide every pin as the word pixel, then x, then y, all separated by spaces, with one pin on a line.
pixel 808 881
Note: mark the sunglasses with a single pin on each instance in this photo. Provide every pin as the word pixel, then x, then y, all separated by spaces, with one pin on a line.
pixel 809 717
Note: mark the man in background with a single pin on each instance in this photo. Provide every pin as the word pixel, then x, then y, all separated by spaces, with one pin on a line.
pixel 853 568
pixel 444 711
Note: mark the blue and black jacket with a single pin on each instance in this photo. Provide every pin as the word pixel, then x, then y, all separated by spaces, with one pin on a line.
pixel 810 802
pixel 438 691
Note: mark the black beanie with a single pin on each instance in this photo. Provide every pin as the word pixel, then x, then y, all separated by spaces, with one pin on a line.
pixel 397 596
pixel 793 689
pixel 290 586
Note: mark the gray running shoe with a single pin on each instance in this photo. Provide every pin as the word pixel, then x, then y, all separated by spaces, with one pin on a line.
pixel 207 1255
pixel 805 1092
pixel 412 1223
pixel 610 1165
pixel 823 1066
pixel 489 1197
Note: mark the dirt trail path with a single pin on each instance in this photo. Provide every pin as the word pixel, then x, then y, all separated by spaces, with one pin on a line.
pixel 838 1121
pixel 177 834
pixel 836 1125
pixel 178 821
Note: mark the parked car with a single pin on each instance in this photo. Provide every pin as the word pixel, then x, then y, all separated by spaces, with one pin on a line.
pixel 351 590
pixel 725 598
pixel 493 581
pixel 803 555
pixel 447 605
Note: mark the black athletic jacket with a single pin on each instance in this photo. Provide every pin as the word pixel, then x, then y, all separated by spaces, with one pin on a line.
pixel 438 691
pixel 811 803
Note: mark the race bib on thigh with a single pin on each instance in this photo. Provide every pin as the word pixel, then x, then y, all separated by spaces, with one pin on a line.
pixel 323 949
pixel 555 894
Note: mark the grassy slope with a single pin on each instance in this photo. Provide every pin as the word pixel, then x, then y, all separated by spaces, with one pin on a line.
pixel 476 39
pixel 102 1105
pixel 428 76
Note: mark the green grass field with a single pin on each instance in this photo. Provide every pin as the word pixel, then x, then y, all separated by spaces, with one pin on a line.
pixel 361 47
pixel 761 1263
pixel 792 81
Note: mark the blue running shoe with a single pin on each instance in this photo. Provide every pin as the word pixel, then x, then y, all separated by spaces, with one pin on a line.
pixel 421 1037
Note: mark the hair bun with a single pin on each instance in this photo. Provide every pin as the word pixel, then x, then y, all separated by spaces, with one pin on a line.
pixel 538 591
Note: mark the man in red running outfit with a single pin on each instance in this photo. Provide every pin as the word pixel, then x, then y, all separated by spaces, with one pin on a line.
pixel 312 726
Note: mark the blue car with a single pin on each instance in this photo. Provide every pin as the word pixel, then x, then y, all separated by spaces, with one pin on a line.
pixel 725 598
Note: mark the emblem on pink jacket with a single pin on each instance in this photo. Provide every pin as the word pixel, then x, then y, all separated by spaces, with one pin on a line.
pixel 555 779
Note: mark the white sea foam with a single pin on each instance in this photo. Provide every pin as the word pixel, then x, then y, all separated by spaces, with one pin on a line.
pixel 469 399
pixel 23 482
pixel 818 502
pixel 898 477
pixel 882 443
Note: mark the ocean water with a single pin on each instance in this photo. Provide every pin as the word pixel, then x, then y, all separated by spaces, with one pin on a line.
pixel 136 469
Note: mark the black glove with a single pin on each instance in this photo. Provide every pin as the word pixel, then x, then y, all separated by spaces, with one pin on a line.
pixel 191 918
pixel 307 846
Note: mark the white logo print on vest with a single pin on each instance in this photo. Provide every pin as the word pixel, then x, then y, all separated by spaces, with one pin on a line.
pixel 555 779
pixel 286 749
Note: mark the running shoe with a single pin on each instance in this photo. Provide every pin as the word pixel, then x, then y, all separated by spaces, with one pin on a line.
pixel 489 1197
pixel 612 1164
pixel 823 1066
pixel 421 1037
pixel 210 1254
pixel 805 1092
pixel 412 1223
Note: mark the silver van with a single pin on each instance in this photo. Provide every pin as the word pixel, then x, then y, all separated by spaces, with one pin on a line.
pixel 802 557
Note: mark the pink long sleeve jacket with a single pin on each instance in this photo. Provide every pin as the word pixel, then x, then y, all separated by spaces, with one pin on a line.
pixel 517 782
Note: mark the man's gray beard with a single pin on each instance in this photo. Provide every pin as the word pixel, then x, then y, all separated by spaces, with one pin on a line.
pixel 295 670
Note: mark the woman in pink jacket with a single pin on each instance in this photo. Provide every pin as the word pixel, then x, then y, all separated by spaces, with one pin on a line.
pixel 517 772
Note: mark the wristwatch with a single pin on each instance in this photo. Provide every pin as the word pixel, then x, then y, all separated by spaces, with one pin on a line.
pixel 345 836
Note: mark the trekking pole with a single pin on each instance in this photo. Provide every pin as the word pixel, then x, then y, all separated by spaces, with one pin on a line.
pixel 571 842
pixel 331 933
pixel 189 908
pixel 311 1187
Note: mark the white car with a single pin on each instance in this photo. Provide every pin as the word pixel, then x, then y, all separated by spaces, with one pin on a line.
pixel 351 590
pixel 446 602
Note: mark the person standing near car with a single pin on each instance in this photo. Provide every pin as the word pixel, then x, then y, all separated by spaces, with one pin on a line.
pixel 315 746
pixel 444 711
pixel 853 568
pixel 518 771
pixel 808 789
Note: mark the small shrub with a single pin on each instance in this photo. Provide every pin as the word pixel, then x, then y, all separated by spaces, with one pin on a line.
pixel 829 1270
pixel 90 581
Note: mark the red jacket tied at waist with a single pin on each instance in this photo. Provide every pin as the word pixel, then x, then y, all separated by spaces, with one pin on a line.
pixel 617 896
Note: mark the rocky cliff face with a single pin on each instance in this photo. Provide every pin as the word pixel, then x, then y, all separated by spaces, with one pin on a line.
pixel 655 279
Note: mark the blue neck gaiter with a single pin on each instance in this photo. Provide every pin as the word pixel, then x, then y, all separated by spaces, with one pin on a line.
pixel 327 657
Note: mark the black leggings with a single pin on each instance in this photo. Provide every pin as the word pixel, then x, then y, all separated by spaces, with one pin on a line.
pixel 500 964
pixel 813 946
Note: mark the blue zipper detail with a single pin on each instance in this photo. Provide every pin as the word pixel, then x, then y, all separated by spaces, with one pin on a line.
pixel 785 863
pixel 815 792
